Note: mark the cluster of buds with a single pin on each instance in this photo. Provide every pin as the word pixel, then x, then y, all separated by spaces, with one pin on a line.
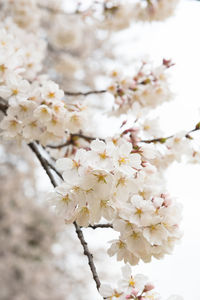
pixel 147 89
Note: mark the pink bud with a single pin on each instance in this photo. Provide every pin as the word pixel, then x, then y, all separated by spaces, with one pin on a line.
pixel 128 297
pixel 134 292
pixel 148 287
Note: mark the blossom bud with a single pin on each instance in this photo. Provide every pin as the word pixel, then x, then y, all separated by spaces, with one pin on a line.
pixel 148 287
pixel 134 292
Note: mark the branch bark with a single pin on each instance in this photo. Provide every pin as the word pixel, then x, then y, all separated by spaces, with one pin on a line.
pixel 3 106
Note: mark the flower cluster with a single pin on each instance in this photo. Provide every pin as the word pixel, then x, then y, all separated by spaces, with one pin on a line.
pixel 20 52
pixel 147 89
pixel 119 15
pixel 65 36
pixel 135 287
pixel 113 181
pixel 155 10
pixel 148 227
pixel 25 13
pixel 37 112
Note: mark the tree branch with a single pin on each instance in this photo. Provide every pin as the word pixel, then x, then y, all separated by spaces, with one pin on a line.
pixel 3 106
pixel 54 169
pixel 79 232
pixel 96 226
pixel 162 140
pixel 67 93
pixel 88 254
pixel 43 162
pixel 71 140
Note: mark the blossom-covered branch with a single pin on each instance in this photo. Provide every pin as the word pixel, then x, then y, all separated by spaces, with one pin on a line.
pixel 162 140
pixel 45 166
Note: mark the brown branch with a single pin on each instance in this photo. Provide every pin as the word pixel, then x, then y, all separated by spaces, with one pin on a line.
pixel 67 93
pixel 88 254
pixel 71 140
pixel 96 226
pixel 85 137
pixel 162 140
pixel 43 162
pixel 60 146
pixel 3 106
pixel 54 169
pixel 79 232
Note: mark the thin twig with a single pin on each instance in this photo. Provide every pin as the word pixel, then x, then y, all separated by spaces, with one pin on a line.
pixel 96 226
pixel 54 169
pixel 85 137
pixel 60 146
pixel 70 141
pixel 43 162
pixel 88 254
pixel 162 140
pixel 84 93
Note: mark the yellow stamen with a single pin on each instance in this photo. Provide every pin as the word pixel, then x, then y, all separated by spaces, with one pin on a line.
pixel 51 95
pixel 131 282
pixel 74 118
pixel 152 227
pixel 114 74
pixel 33 124
pixel 135 235
pixel 56 108
pixel 13 123
pixel 85 210
pixel 103 203
pixel 101 177
pixel 15 92
pixel 76 164
pixel 54 122
pixel 146 127
pixel 138 212
pixel 103 155
pixel 2 68
pixel 23 108
pixel 121 181
pixel 66 199
pixel 122 160
pixel 44 110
